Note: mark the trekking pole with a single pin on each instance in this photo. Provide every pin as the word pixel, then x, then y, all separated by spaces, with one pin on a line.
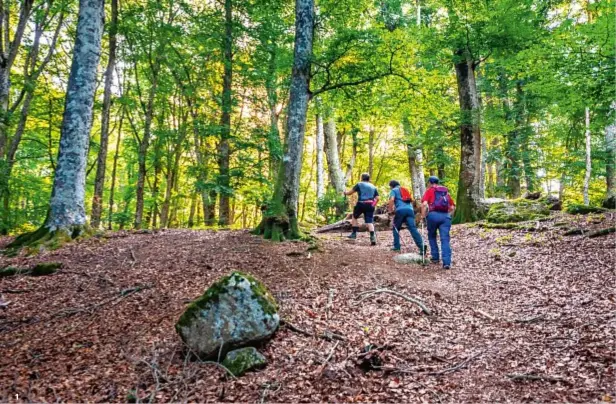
pixel 423 244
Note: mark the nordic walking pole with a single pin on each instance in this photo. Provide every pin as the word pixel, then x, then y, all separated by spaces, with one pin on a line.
pixel 423 244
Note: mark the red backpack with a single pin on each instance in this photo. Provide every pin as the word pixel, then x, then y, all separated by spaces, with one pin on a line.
pixel 405 195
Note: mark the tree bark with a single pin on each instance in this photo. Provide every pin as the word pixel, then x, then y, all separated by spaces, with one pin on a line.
pixel 114 170
pixel 371 141
pixel 468 198
pixel 273 140
pixel 610 164
pixel 588 161
pixel 144 144
pixel 67 216
pixel 336 177
pixel 281 220
pixel 415 159
pixel 225 121
pixel 99 182
pixel 319 150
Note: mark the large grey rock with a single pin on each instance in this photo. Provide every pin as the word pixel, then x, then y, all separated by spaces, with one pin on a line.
pixel 242 360
pixel 411 258
pixel 517 210
pixel 236 311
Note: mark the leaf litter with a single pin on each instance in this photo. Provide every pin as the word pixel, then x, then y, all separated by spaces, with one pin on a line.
pixel 522 316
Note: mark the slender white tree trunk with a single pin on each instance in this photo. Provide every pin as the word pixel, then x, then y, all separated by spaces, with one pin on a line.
pixel 319 150
pixel 336 176
pixel 588 162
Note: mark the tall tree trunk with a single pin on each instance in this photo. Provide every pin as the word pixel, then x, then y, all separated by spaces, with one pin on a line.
pixel 319 150
pixel 99 182
pixel 415 159
pixel 193 209
pixel 225 121
pixel 351 163
pixel 371 141
pixel 9 50
pixel 588 161
pixel 273 140
pixel 470 140
pixel 513 116
pixel 67 216
pixel 144 146
pixel 114 170
pixel 281 219
pixel 336 177
pixel 484 168
pixel 610 163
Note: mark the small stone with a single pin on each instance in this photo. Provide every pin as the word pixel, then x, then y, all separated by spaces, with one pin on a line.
pixel 242 360
pixel 410 258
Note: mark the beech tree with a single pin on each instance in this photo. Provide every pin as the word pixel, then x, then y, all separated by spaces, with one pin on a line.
pixel 67 214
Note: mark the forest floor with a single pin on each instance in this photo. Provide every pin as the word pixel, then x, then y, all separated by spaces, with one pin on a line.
pixel 522 316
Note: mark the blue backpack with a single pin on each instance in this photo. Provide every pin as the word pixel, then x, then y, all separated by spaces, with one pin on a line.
pixel 441 200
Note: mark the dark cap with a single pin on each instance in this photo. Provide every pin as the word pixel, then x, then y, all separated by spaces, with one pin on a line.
pixel 433 180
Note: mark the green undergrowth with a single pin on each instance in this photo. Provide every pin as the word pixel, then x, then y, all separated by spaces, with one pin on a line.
pixel 40 269
pixel 577 209
pixel 518 210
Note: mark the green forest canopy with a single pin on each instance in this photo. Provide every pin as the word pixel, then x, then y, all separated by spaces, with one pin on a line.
pixel 198 93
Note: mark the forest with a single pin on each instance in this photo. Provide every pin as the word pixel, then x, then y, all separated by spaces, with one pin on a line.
pixel 197 107
pixel 176 178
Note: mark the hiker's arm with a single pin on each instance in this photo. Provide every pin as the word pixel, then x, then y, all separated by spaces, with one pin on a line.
pixel 424 209
pixel 390 205
pixel 350 192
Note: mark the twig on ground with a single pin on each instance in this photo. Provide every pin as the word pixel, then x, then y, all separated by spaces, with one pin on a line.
pixel 530 320
pixel 416 301
pixel 484 314
pixel 331 353
pixel 132 255
pixel 456 367
pixel 528 376
pixel 330 302
pixel 326 335
pixel 16 291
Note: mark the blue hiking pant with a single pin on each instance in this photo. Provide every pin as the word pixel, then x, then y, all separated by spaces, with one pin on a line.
pixel 442 222
pixel 406 215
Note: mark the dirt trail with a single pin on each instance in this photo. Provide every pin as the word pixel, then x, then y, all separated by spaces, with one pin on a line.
pixel 533 304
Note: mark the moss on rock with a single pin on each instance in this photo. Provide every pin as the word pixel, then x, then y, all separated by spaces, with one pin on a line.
pixel 45 268
pixel 517 210
pixel 242 360
pixel 576 209
pixel 235 311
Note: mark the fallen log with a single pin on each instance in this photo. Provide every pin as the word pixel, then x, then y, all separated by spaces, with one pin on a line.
pixel 381 222
pixel 603 232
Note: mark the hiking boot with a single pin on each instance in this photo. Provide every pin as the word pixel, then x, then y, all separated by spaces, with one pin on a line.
pixel 394 249
pixel 373 239
pixel 446 267
pixel 433 261
pixel 425 251
pixel 352 236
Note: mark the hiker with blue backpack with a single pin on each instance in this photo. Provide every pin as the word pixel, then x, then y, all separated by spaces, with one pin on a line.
pixel 437 208
pixel 400 200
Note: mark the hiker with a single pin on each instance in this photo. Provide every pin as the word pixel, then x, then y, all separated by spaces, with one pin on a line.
pixel 437 208
pixel 400 200
pixel 367 198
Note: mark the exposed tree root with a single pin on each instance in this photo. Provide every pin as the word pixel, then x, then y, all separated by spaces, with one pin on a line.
pixel 418 302
pixel 456 367
pixel 42 269
pixel 602 232
pixel 44 239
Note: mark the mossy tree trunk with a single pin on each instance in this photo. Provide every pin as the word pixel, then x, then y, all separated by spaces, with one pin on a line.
pixel 280 220
pixel 468 197
pixel 67 217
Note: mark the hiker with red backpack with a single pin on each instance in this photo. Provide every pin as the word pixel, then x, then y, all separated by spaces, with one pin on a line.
pixel 437 208
pixel 400 200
